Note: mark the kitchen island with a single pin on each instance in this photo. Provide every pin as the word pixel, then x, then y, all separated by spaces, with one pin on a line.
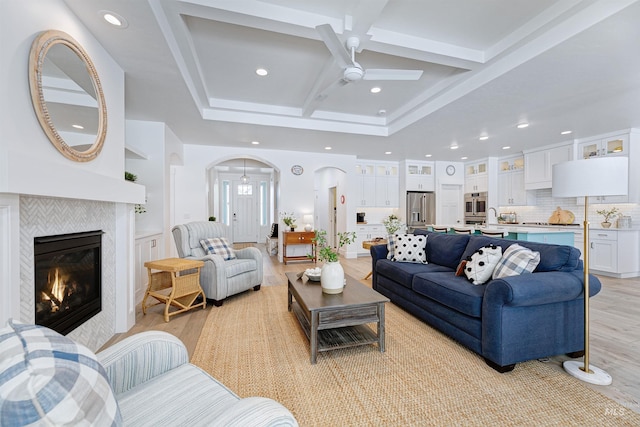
pixel 559 235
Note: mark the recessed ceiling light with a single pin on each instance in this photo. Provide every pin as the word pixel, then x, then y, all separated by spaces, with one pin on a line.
pixel 77 126
pixel 565 132
pixel 454 147
pixel 255 142
pixel 327 148
pixel 387 152
pixel 428 155
pixel 506 147
pixel 484 138
pixel 522 125
pixel 382 112
pixel 114 19
pixel 463 158
pixel 375 89
pixel 262 72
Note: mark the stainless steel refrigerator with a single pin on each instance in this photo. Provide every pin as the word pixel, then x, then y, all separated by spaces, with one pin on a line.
pixel 421 209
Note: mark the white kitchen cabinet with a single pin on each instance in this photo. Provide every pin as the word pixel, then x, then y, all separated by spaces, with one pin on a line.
pixel 475 177
pixel 511 191
pixel 368 232
pixel 387 185
pixel 507 164
pixel 420 176
pixel 538 165
pixel 614 252
pixel 613 146
pixel 147 248
pixel 366 179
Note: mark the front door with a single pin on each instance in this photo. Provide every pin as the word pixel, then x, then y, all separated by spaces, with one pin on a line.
pixel 244 218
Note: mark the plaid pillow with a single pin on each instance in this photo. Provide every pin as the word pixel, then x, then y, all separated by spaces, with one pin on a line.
pixel 48 379
pixel 218 246
pixel 410 248
pixel 515 261
pixel 391 243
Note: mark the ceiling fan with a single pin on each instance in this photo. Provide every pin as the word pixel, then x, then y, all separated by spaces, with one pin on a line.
pixel 346 59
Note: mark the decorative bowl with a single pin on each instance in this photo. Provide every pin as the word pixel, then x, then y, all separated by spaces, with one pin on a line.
pixel 313 277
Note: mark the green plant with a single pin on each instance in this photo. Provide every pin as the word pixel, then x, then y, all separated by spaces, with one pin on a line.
pixel 324 251
pixel 289 219
pixel 130 177
pixel 212 218
pixel 608 213
pixel 392 224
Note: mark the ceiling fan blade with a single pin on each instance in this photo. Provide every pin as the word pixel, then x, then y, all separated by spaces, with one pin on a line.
pixel 334 45
pixel 388 74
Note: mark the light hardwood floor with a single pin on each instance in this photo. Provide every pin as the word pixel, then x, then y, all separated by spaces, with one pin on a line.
pixel 614 327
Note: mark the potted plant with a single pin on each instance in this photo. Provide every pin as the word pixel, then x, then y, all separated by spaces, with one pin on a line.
pixel 392 224
pixel 138 208
pixel 607 213
pixel 289 220
pixel 332 273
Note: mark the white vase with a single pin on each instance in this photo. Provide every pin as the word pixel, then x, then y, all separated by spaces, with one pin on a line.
pixel 332 278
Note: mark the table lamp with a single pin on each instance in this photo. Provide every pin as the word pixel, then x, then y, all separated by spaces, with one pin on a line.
pixel 307 219
pixel 602 176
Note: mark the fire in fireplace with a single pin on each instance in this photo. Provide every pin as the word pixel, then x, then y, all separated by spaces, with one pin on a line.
pixel 67 279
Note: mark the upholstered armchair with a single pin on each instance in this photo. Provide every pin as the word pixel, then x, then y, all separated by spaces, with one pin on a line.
pixel 220 277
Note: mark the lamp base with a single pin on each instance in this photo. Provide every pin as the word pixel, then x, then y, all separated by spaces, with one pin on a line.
pixel 598 376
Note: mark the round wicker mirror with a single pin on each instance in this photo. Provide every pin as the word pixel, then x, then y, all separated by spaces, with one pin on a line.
pixel 67 96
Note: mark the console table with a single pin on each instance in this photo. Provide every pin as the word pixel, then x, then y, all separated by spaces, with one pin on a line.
pixel 290 238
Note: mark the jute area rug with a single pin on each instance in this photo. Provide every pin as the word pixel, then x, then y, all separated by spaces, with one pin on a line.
pixel 254 346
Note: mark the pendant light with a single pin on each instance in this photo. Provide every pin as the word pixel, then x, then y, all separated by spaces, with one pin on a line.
pixel 244 178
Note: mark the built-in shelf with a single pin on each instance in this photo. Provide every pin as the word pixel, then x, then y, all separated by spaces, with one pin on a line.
pixel 134 153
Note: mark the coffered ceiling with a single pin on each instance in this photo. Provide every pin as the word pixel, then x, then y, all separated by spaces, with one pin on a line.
pixel 487 65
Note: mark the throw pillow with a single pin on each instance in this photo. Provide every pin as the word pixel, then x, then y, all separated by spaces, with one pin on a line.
pixel 481 263
pixel 515 261
pixel 410 248
pixel 218 246
pixel 391 244
pixel 48 379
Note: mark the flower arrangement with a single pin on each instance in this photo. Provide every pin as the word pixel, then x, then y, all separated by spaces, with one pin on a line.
pixel 325 251
pixel 289 219
pixel 608 213
pixel 392 224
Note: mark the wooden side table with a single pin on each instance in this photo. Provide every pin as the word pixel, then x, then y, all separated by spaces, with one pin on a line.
pixel 290 238
pixel 367 245
pixel 175 283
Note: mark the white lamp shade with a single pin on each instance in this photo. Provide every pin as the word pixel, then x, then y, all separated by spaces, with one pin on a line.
pixel 602 176
pixel 307 219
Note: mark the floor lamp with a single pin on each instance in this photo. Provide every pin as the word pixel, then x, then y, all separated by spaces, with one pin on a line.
pixel 602 176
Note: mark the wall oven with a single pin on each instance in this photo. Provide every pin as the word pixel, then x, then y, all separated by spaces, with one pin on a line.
pixel 475 208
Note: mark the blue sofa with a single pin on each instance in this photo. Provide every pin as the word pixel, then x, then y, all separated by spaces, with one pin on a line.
pixel 506 320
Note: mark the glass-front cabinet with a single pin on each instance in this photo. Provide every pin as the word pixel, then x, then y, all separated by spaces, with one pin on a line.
pixel 613 146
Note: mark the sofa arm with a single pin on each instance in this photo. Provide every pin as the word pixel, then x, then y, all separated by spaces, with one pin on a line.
pixel 539 288
pixel 141 357
pixel 378 252
pixel 254 412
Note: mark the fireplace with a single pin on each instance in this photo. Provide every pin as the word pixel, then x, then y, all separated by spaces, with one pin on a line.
pixel 68 279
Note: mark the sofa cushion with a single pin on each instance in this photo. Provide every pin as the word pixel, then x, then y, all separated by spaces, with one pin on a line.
pixel 516 260
pixel 453 291
pixel 409 248
pixel 481 264
pixel 218 246
pixel 446 249
pixel 48 379
pixel 403 272
pixel 239 266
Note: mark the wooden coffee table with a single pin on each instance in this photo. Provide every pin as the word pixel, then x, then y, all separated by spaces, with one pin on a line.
pixel 338 320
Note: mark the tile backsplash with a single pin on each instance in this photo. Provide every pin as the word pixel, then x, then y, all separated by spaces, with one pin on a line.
pixel 546 204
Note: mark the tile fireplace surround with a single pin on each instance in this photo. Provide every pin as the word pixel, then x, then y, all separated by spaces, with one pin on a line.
pixel 43 216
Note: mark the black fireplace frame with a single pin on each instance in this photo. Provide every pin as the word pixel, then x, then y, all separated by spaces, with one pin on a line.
pixel 46 245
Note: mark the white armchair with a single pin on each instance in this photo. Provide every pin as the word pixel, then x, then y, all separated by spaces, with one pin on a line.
pixel 219 278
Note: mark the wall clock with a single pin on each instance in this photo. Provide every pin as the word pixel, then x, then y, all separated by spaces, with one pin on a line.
pixel 297 170
pixel 451 170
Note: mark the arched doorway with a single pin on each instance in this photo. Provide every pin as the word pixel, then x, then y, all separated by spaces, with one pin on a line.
pixel 242 193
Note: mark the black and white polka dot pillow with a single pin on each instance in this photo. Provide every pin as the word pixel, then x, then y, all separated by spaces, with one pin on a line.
pixel 410 248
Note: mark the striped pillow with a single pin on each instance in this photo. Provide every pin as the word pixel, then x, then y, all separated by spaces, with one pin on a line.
pixel 515 261
pixel 48 379
pixel 218 246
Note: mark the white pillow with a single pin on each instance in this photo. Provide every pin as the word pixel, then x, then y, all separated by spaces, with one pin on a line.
pixel 515 261
pixel 410 248
pixel 481 264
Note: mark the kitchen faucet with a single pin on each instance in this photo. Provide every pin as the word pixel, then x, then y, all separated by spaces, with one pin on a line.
pixel 495 212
